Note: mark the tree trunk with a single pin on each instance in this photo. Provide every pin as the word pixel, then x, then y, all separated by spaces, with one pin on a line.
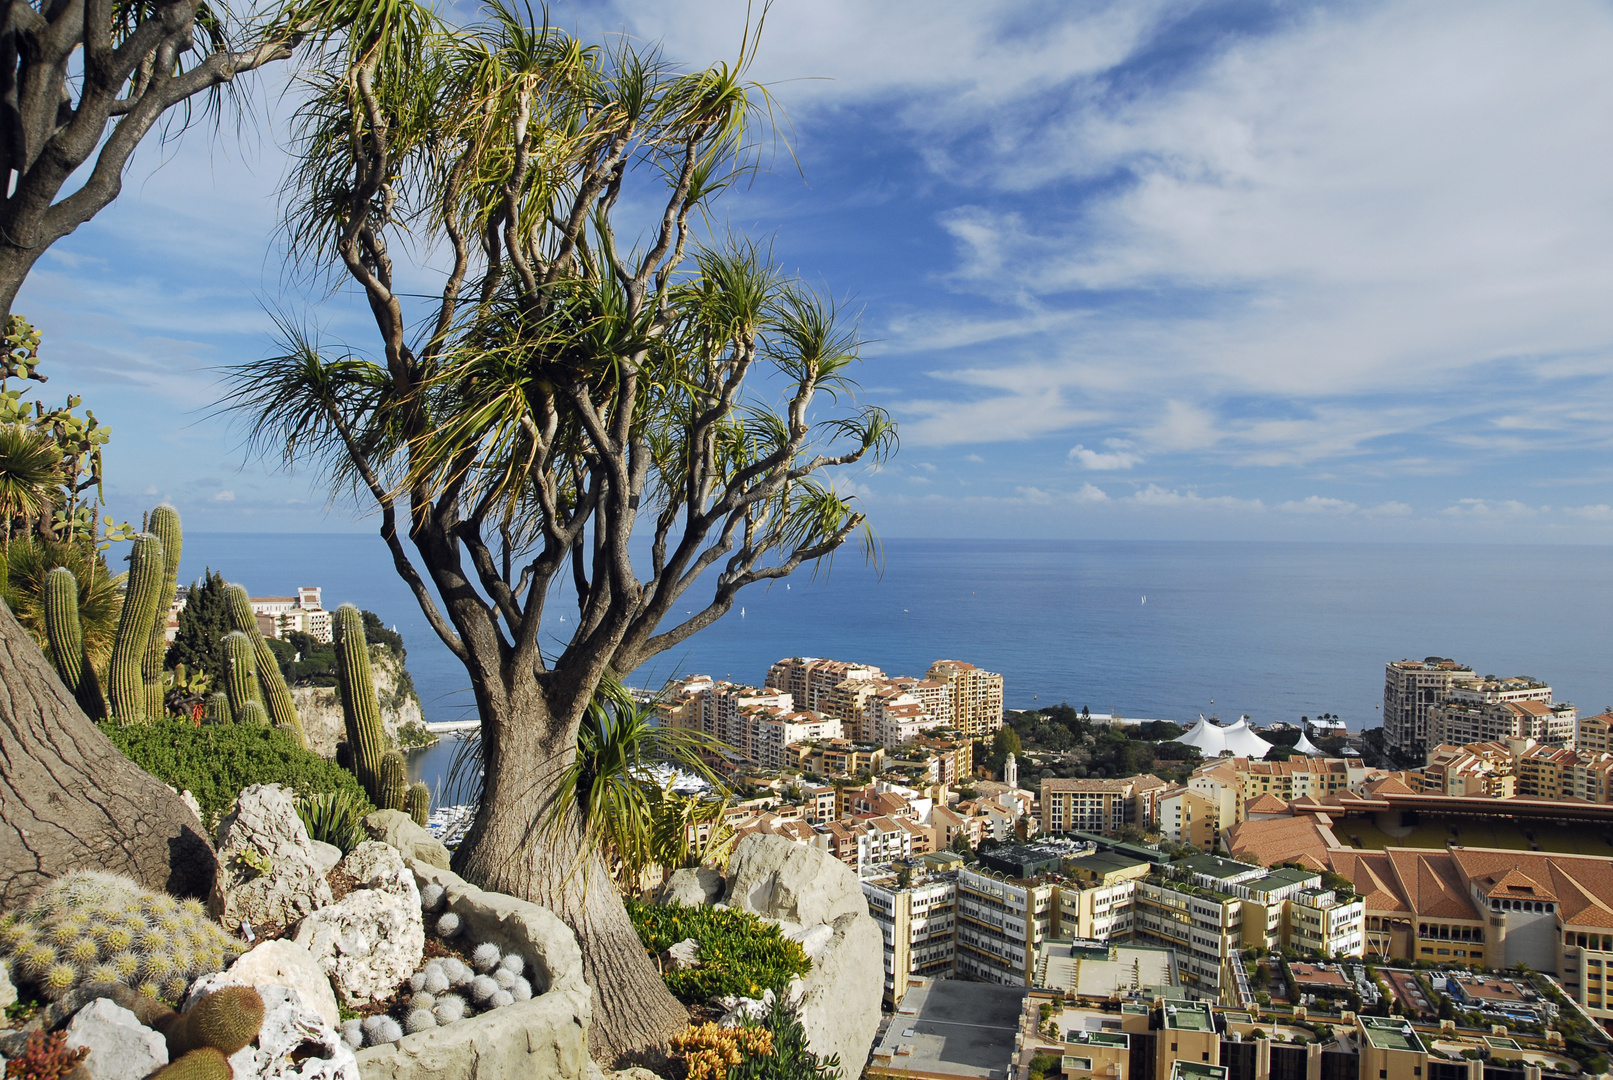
pixel 70 801
pixel 516 847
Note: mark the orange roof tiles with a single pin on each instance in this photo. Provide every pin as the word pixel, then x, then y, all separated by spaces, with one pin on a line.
pixel 1266 804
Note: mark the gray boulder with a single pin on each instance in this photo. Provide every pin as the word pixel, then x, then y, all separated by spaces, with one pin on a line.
pixel 398 829
pixel 121 1048
pixel 821 903
pixel 8 990
pixel 326 855
pixel 684 955
pixel 374 937
pixel 276 963
pixel 546 1037
pixel 294 1043
pixel 268 870
pixel 692 887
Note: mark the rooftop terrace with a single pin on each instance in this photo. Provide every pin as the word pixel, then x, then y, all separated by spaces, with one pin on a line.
pixel 1188 1016
pixel 1197 1070
pixel 1387 1033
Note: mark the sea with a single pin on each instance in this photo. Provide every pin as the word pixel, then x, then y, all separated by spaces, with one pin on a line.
pixel 1158 630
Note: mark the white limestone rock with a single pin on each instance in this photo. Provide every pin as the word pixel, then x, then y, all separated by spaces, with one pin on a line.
pixel 8 990
pixel 398 829
pixel 327 855
pixel 840 996
pixel 294 1043
pixel 268 870
pixel 121 1048
pixel 780 879
pixel 684 955
pixel 276 963
pixel 692 887
pixel 374 937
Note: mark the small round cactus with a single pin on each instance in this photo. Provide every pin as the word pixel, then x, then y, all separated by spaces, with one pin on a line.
pixel 353 1034
pixel 514 963
pixel 458 972
pixel 419 1020
pixel 417 981
pixel 387 1030
pixel 482 988
pixel 432 897
pixel 449 925
pixel 449 1009
pixel 435 982
pixel 484 957
pixel 522 990
pixel 505 978
pixel 422 1000
pixel 501 999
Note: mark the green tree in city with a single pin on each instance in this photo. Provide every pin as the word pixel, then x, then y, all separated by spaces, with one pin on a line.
pixel 203 622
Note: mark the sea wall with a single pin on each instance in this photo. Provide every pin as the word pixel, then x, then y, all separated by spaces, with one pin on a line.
pixel 321 710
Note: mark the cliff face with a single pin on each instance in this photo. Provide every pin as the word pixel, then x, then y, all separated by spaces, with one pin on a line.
pixel 321 710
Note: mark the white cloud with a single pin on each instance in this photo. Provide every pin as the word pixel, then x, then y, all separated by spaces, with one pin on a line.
pixel 1098 461
pixel 224 496
pixel 1091 493
pixel 1317 504
pixel 1484 508
pixel 1388 509
pixel 1154 495
pixel 1597 512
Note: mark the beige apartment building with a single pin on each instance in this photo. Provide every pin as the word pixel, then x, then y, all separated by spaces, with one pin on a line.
pixel 810 680
pixel 1410 689
pixel 977 696
pixel 1186 817
pixel 1099 805
pixel 278 616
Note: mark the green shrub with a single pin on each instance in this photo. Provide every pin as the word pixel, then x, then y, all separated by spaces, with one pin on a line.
pixel 791 1058
pixel 739 953
pixel 215 762
pixel 335 817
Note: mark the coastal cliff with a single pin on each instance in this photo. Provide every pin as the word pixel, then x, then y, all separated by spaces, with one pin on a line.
pixel 321 710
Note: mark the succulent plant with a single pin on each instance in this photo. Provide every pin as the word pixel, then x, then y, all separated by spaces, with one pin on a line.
pixel 252 714
pixel 226 1019
pixel 450 1009
pixel 163 523
pixel 141 594
pixel 419 1020
pixel 207 1063
pixel 448 926
pixel 276 694
pixel 432 897
pixel 66 634
pixel 500 999
pixel 218 709
pixel 482 988
pixel 88 925
pixel 422 1000
pixel 361 710
pixel 522 990
pixel 485 957
pixel 514 963
pixel 417 803
pixel 45 1058
pixel 353 1034
pixel 240 672
pixel 392 783
pixel 380 1029
pixel 459 973
pixel 505 978
pixel 435 982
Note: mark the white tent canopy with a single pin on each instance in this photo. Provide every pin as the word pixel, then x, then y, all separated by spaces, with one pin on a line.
pixel 1214 740
pixel 1305 746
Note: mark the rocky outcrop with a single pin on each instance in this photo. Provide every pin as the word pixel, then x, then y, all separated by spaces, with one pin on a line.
pixel 692 887
pixel 121 1048
pixel 320 710
pixel 545 1037
pixel 276 963
pixel 397 829
pixel 370 940
pixel 268 870
pixel 294 1043
pixel 818 901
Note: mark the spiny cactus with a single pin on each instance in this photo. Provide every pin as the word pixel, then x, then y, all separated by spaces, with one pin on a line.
pixel 66 635
pixel 276 694
pixel 45 1058
pixel 204 1064
pixel 240 671
pixel 360 708
pixel 418 803
pixel 164 525
pixel 393 782
pixel 252 714
pixel 227 1019
pixel 218 709
pixel 89 926
pixel 140 597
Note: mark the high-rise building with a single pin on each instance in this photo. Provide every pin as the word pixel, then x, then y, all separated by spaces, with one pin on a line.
pixel 1001 923
pixel 977 696
pixel 1099 805
pixel 916 922
pixel 810 679
pixel 1410 689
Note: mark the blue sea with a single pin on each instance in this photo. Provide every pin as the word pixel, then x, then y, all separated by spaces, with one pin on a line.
pixel 1271 630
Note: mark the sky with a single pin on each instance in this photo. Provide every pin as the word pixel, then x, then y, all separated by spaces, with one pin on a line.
pixel 1133 270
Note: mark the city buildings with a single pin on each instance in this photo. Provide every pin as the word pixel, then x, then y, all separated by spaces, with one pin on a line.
pixel 1410 689
pixel 977 696
pixel 278 616
pixel 1099 806
pixel 1000 924
pixel 916 920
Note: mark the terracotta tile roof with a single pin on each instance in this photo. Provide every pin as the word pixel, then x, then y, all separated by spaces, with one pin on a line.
pixel 1393 784
pixel 1432 884
pixel 1374 879
pixel 1266 804
pixel 1277 840
pixel 1581 884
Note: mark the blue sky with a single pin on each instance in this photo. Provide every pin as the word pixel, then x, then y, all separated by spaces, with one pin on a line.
pixel 1151 270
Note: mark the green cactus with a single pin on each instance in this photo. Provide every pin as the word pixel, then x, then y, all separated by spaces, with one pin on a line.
pixel 88 927
pixel 164 525
pixel 277 695
pixel 140 597
pixel 218 709
pixel 204 1064
pixel 66 635
pixel 392 782
pixel 240 671
pixel 418 803
pixel 252 714
pixel 360 708
pixel 226 1020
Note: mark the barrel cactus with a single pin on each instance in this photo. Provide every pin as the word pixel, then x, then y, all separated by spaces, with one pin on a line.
pixel 66 636
pixel 392 783
pixel 240 671
pixel 418 803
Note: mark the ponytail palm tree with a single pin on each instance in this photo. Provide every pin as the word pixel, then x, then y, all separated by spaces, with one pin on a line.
pixel 566 394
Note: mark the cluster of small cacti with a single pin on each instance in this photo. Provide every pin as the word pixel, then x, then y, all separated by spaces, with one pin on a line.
pixel 89 927
pixel 445 991
pixel 46 1058
pixel 709 1050
pixel 382 773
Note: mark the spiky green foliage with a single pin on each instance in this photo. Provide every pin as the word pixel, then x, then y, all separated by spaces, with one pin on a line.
pixel 240 672
pixel 86 926
pixel 218 708
pixel 361 712
pixel 792 1058
pixel 66 633
pixel 203 622
pixel 163 523
pixel 215 762
pixel 141 594
pixel 335 817
pixel 30 476
pixel 253 714
pixel 739 952
pixel 207 1063
pixel 418 803
pixel 392 781
pixel 227 1019
pixel 46 1057
pixel 276 694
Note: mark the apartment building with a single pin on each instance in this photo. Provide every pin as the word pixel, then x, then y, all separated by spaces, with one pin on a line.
pixel 917 924
pixel 1096 901
pixel 278 616
pixel 977 696
pixel 937 760
pixel 810 680
pixel 1594 734
pixel 839 757
pixel 1297 778
pixel 767 735
pixel 1554 772
pixel 934 694
pixel 1410 689
pixel 1479 769
pixel 892 717
pixel 1190 819
pixel 1000 925
pixel 1099 805
pixel 1459 720
pixel 1204 926
pixel 818 804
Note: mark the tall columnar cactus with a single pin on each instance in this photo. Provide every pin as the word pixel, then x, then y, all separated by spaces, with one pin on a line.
pixel 360 708
pixel 276 694
pixel 66 635
pixel 418 803
pixel 240 671
pixel 218 709
pixel 164 525
pixel 392 782
pixel 140 597
pixel 252 714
